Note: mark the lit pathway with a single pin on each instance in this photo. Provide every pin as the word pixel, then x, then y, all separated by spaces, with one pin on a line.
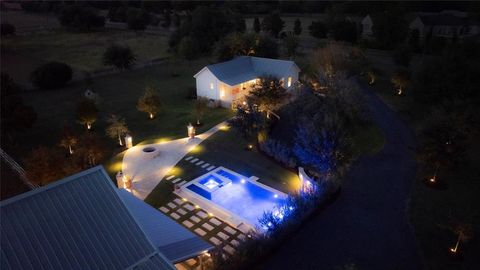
pixel 148 170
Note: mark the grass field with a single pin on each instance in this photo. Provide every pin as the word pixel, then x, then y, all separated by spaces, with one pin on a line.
pixel 118 95
pixel 82 51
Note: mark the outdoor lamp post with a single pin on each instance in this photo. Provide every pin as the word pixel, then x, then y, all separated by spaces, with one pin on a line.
pixel 191 131
pixel 128 141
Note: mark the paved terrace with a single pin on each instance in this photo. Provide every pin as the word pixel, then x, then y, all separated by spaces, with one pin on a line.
pixel 148 169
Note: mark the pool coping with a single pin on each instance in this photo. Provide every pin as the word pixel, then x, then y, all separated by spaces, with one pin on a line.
pixel 214 209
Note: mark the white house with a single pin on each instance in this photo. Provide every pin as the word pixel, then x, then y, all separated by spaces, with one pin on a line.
pixel 446 24
pixel 228 82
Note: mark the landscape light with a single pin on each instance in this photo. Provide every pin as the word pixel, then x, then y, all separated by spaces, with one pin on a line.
pixel 275 196
pixel 128 141
pixel 151 115
pixel 190 131
pixel 242 181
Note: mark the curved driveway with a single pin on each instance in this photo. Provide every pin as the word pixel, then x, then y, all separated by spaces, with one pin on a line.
pixel 368 223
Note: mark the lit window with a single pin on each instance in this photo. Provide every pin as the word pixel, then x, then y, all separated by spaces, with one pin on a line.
pixel 222 93
pixel 211 85
pixel 289 83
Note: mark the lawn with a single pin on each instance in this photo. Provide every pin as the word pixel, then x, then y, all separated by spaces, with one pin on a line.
pixel 118 95
pixel 228 149
pixel 82 51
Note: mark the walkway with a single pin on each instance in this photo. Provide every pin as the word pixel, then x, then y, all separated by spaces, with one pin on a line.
pixel 368 224
pixel 147 170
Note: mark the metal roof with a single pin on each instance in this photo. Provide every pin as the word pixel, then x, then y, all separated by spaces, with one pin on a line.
pixel 245 68
pixel 172 239
pixel 78 222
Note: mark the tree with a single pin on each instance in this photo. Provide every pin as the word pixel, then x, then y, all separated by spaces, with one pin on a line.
pixel 86 113
pixel 150 102
pixel 345 31
pixel 273 24
pixel 92 150
pixel 268 94
pixel 121 57
pixel 137 19
pixel 318 29
pixel 248 121
pixel 290 41
pixel 7 29
pixel 15 116
pixel 414 40
pixel 297 27
pixel 117 128
pixel 68 139
pixel 201 105
pixel 51 75
pixel 256 25
pixel 331 59
pixel 167 19
pixel 45 165
pixel 80 18
pixel 266 47
pixel 188 48
pixel 401 79
pixel 390 27
pixel 236 44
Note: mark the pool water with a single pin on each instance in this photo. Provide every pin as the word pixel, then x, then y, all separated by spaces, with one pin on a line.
pixel 237 194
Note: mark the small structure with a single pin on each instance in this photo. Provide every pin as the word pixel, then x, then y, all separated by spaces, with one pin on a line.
pixel 128 141
pixel 191 131
pixel 367 27
pixel 228 82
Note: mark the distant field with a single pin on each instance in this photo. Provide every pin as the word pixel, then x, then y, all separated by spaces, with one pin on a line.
pixel 83 51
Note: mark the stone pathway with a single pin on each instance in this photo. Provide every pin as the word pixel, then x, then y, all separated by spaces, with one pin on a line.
pixel 212 229
pixel 148 170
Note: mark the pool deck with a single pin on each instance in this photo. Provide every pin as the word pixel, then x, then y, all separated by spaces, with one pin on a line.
pixel 148 169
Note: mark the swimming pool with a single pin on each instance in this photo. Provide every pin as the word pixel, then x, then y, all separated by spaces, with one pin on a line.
pixel 233 196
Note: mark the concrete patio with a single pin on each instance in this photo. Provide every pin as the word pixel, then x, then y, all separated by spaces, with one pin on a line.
pixel 148 169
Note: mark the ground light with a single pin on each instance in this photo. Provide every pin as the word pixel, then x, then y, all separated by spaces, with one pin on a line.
pixel 454 250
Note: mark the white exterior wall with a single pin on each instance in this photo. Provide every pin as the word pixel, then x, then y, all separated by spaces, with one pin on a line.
pixel 204 79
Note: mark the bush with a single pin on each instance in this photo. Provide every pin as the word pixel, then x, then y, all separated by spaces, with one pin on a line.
pixel 52 75
pixel 345 31
pixel 118 14
pixel 318 29
pixel 80 18
pixel 279 151
pixel 121 57
pixel 7 29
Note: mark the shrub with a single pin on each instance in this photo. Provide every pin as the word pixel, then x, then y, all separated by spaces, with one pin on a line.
pixel 345 31
pixel 7 29
pixel 80 18
pixel 51 75
pixel 279 151
pixel 121 57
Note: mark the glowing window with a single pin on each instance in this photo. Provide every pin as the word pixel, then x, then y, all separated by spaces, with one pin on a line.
pixel 222 93
pixel 211 85
pixel 289 83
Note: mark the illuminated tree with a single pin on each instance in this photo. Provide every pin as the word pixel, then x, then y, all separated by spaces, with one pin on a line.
pixel 116 128
pixel 401 79
pixel 92 150
pixel 200 106
pixel 149 102
pixel 268 94
pixel 331 59
pixel 44 165
pixel 87 113
pixel 68 139
pixel 248 121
